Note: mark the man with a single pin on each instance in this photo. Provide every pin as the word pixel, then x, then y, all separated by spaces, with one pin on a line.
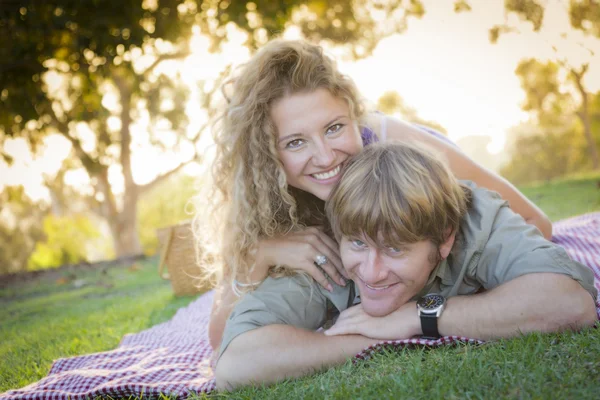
pixel 428 255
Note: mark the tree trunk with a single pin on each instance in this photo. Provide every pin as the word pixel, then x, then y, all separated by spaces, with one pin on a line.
pixel 584 115
pixel 585 118
pixel 123 224
pixel 127 242
pixel 125 236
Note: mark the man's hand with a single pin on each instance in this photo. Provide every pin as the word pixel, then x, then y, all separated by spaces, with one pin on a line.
pixel 403 323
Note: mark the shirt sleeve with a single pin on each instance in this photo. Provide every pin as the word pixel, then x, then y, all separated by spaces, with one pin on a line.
pixel 294 300
pixel 516 248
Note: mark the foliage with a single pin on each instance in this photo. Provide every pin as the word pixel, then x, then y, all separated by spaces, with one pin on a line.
pixel 391 102
pixel 355 25
pixel 560 145
pixel 544 156
pixel 166 205
pixel 61 60
pixel 66 241
pixel 585 15
pixel 19 228
pixel 550 98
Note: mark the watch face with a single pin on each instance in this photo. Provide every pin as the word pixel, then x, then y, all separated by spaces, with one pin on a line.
pixel 431 302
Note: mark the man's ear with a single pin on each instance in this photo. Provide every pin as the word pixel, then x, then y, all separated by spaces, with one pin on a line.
pixel 446 246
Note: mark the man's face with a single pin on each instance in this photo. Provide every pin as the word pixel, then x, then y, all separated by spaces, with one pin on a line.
pixel 387 278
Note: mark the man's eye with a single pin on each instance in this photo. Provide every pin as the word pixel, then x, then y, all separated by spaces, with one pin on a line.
pixel 358 243
pixel 334 128
pixel 395 250
pixel 294 144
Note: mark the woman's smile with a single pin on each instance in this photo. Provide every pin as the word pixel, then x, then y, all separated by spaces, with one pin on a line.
pixel 328 176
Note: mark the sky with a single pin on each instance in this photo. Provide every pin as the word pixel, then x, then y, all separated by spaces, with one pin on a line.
pixel 443 66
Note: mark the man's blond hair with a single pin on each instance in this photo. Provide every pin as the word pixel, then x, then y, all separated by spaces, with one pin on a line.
pixel 397 194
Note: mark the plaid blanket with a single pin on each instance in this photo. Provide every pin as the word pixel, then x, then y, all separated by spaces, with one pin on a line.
pixel 173 358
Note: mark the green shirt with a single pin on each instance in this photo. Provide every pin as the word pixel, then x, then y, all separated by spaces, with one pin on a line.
pixel 494 245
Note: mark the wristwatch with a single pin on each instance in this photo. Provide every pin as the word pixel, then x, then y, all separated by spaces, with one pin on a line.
pixel 429 308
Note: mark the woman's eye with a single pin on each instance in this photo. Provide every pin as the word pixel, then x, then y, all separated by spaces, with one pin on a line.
pixel 334 128
pixel 294 144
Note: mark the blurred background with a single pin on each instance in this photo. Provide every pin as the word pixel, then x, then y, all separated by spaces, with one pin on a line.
pixel 105 105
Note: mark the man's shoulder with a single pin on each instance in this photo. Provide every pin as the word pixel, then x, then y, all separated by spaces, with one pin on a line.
pixel 482 215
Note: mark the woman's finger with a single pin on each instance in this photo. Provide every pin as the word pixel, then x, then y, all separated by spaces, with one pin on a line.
pixel 319 276
pixel 335 251
pixel 333 264
pixel 333 273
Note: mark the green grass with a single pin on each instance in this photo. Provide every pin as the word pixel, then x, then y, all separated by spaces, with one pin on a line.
pixel 567 197
pixel 90 311
pixel 43 320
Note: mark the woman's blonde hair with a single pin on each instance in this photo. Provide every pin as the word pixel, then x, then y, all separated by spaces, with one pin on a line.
pixel 252 198
pixel 396 194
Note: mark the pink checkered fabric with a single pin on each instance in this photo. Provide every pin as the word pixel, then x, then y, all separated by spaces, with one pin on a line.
pixel 173 358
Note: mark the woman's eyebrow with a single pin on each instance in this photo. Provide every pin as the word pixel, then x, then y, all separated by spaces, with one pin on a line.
pixel 288 137
pixel 333 120
pixel 299 134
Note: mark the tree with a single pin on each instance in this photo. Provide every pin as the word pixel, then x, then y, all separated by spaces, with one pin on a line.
pixel 391 102
pixel 585 16
pixel 65 242
pixel 19 228
pixel 544 156
pixel 59 59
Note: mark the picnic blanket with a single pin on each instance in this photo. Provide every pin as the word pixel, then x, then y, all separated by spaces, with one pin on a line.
pixel 173 358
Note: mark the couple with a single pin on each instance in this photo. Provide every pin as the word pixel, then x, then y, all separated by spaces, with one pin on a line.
pixel 425 253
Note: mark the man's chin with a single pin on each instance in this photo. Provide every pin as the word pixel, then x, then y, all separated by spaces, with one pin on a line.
pixel 377 308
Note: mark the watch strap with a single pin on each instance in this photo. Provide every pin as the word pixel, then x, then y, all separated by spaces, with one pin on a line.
pixel 429 326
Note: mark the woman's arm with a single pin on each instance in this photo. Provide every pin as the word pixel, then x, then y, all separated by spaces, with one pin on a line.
pixel 296 250
pixel 465 168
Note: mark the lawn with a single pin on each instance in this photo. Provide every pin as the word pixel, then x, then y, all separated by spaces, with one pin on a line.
pixel 90 310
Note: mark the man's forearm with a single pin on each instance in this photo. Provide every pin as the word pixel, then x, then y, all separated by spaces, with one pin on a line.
pixel 273 353
pixel 534 302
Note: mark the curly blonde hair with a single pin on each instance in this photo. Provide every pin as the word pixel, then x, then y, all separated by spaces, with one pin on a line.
pixel 252 199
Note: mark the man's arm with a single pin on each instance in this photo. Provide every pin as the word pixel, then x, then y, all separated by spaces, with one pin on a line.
pixel 539 302
pixel 275 352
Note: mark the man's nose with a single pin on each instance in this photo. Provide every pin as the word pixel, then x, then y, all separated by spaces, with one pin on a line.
pixel 323 155
pixel 372 269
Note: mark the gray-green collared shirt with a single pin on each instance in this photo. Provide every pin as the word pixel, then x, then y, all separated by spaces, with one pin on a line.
pixel 494 245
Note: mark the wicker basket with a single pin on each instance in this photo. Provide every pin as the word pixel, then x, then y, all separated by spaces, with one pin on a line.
pixel 177 253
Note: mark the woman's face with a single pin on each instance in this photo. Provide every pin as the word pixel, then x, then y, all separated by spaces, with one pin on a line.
pixel 315 136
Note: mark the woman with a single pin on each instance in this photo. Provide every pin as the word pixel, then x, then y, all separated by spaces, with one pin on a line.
pixel 291 122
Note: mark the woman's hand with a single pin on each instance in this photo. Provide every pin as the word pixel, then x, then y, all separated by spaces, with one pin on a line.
pixel 298 251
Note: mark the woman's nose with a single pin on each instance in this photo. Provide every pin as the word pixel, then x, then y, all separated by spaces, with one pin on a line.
pixel 323 155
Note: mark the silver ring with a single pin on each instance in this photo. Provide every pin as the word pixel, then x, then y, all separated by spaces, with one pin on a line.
pixel 320 260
